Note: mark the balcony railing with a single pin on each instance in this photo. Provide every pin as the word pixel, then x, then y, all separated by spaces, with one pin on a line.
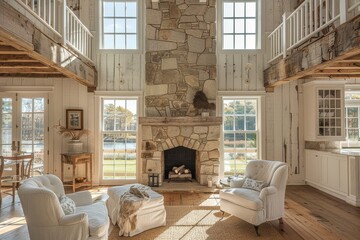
pixel 310 18
pixel 63 22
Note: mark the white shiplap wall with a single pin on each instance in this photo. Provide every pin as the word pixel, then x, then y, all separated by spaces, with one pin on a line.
pixel 120 72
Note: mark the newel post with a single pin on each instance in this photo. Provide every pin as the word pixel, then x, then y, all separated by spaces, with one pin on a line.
pixel 344 6
pixel 63 21
pixel 285 32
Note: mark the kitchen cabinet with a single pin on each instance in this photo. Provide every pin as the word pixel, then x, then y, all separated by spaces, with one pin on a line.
pixel 324 111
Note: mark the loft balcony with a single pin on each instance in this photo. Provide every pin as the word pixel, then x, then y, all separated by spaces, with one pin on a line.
pixel 44 38
pixel 320 39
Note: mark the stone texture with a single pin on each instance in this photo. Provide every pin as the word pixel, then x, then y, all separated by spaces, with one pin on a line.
pixel 196 44
pixel 186 131
pixel 158 89
pixel 211 145
pixel 153 16
pixel 153 45
pixel 169 24
pixel 168 76
pixel 169 63
pixel 207 59
pixel 203 75
pixel 146 133
pixel 192 57
pixel 187 19
pixel 200 129
pixel 195 10
pixel 171 35
pixel 194 32
pixel 173 131
pixel 210 15
pixel 208 89
pixel 174 11
pixel 192 80
pixel 214 132
pixel 214 154
pixel 150 32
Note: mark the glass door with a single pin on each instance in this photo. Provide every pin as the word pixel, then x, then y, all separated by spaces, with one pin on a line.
pixel 24 126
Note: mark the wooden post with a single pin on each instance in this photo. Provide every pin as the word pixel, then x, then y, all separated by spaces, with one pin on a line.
pixel 284 34
pixel 344 5
pixel 63 22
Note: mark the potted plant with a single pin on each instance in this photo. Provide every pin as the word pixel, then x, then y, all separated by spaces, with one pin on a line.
pixel 74 144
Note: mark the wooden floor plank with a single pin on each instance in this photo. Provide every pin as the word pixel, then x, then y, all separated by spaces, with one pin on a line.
pixel 309 214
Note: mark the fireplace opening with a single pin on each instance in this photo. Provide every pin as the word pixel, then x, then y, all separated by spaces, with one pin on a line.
pixel 178 156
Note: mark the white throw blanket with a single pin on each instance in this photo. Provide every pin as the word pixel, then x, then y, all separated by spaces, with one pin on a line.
pixel 130 202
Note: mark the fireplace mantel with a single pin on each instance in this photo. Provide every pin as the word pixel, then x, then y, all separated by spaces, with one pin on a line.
pixel 180 121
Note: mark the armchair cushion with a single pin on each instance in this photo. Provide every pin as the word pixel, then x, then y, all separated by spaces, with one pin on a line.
pixel 244 197
pixel 96 212
pixel 67 204
pixel 253 184
pixel 81 198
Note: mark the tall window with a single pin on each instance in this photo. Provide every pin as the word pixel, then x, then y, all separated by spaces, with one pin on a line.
pixel 240 133
pixel 119 24
pixel 119 132
pixel 352 114
pixel 239 29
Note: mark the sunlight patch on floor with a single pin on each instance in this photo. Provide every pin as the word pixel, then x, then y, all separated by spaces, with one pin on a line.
pixel 12 224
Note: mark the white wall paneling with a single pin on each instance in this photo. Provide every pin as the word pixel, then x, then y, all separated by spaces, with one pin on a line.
pixel 118 72
pixel 240 72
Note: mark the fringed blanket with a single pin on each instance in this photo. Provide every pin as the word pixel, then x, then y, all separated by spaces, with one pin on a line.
pixel 130 202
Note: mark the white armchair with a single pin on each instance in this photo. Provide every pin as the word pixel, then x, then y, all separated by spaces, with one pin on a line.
pixel 264 204
pixel 39 197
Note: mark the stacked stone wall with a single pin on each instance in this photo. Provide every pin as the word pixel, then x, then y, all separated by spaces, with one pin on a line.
pixel 180 56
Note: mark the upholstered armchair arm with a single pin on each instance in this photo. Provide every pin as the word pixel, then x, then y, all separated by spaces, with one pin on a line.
pixel 267 191
pixel 237 182
pixel 81 198
pixel 72 219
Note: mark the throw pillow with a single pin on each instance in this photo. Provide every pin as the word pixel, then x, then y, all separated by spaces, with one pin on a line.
pixel 253 184
pixel 67 204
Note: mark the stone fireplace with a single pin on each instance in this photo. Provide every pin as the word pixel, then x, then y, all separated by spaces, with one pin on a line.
pixel 201 134
pixel 180 62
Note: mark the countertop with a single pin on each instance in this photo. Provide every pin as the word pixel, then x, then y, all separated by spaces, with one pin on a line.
pixel 347 152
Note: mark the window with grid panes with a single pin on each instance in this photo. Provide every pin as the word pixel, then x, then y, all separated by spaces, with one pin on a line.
pixel 239 24
pixel 240 134
pixel 119 133
pixel 119 24
pixel 352 115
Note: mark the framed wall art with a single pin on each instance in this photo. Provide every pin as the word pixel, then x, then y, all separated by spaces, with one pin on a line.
pixel 74 119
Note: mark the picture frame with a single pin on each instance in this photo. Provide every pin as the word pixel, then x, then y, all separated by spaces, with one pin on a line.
pixel 74 119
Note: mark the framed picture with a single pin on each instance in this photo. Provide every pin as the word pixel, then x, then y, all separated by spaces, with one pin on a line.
pixel 74 119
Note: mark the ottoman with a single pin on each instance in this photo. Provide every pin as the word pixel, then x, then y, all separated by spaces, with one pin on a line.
pixel 152 214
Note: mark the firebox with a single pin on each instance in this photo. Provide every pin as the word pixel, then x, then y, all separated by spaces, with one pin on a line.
pixel 178 156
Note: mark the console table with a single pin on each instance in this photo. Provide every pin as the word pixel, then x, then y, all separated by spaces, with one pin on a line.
pixel 75 159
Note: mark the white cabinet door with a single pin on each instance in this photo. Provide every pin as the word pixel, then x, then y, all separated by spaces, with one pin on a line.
pixel 312 166
pixel 333 172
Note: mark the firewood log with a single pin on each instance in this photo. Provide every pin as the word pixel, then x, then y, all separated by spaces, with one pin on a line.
pixel 181 171
pixel 179 168
pixel 186 171
pixel 174 167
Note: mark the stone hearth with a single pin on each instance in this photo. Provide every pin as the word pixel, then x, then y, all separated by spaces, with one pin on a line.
pixel 199 133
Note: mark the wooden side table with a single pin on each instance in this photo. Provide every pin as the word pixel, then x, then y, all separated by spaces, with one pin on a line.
pixel 75 159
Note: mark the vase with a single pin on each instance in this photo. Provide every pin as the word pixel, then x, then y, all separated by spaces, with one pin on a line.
pixel 75 146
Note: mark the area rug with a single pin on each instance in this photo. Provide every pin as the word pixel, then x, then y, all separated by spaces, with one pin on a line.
pixel 200 223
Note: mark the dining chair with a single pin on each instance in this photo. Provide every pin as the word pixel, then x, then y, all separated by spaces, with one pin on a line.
pixel 23 163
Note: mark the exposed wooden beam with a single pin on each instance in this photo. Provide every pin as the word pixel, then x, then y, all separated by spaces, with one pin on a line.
pixel 336 72
pixel 333 55
pixel 16 58
pixel 32 75
pixel 22 65
pixel 21 34
pixel 28 70
pixel 10 50
pixel 345 65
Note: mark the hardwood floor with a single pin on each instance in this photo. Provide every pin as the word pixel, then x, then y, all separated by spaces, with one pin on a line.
pixel 309 214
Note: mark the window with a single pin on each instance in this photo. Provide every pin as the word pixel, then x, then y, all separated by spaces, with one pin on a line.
pixel 23 120
pixel 119 133
pixel 352 114
pixel 239 29
pixel 240 116
pixel 119 24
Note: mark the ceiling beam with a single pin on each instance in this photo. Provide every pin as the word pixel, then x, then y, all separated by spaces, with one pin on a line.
pixel 16 58
pixel 22 65
pixel 32 75
pixel 10 50
pixel 28 70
